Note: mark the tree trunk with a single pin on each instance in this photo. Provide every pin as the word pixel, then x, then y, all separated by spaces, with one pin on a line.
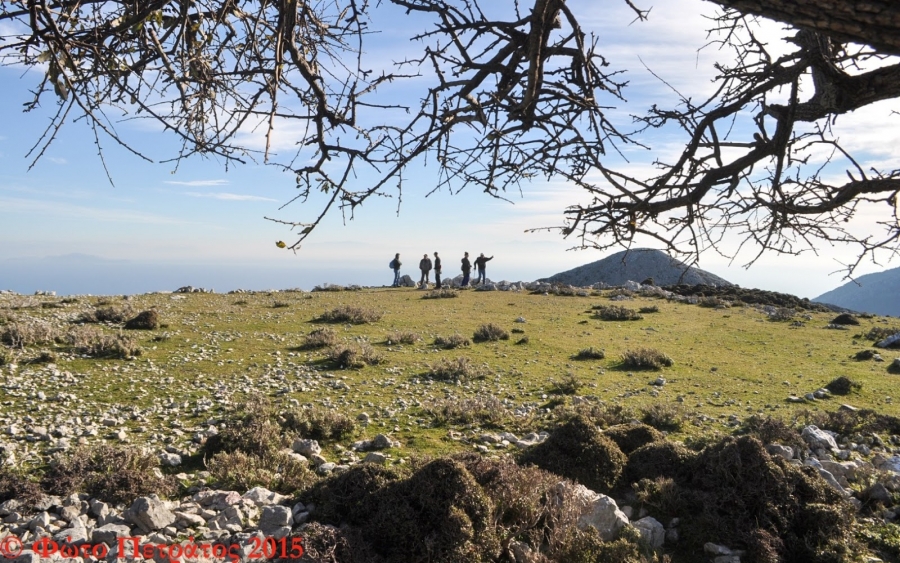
pixel 870 22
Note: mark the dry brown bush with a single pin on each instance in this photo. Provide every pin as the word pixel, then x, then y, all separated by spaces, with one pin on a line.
pixel 452 341
pixel 320 338
pixel 459 369
pixel 23 333
pixel 402 337
pixel 352 315
pixel 275 471
pixel 319 423
pixel 107 314
pixel 484 410
pixel 490 333
pixel 353 356
pixel 615 313
pixel 145 320
pixel 95 342
pixel 645 358
pixel 115 474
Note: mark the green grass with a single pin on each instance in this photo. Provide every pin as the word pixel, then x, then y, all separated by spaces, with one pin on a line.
pixel 726 362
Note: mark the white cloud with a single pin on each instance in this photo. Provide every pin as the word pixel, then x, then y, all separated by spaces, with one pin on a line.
pixel 225 196
pixel 51 208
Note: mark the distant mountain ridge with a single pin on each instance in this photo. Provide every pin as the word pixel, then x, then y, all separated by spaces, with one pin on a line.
pixel 877 293
pixel 637 265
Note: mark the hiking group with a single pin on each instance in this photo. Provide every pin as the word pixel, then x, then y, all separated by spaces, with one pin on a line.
pixel 426 265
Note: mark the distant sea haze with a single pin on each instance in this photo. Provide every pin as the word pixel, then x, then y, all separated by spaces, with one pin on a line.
pixel 83 274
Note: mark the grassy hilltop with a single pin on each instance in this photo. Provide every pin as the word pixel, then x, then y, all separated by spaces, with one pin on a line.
pixel 435 372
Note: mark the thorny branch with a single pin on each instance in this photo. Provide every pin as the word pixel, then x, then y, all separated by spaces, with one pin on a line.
pixel 516 94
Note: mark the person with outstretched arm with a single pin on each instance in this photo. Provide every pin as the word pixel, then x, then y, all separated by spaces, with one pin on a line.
pixel 480 265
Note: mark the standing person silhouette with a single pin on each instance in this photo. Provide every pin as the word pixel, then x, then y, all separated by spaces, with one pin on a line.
pixel 425 266
pixel 395 265
pixel 480 266
pixel 437 271
pixel 466 268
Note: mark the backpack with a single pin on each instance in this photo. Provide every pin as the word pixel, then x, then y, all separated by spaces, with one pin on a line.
pixel 391 264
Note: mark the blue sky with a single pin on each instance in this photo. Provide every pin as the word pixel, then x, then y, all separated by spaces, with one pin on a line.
pixel 202 224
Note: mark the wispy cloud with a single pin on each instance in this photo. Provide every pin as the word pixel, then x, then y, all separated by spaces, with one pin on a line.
pixel 57 160
pixel 57 209
pixel 197 183
pixel 225 196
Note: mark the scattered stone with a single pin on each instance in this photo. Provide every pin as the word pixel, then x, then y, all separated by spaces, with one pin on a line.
pixel 149 514
pixel 817 438
pixel 598 511
pixel 306 447
pixel 653 532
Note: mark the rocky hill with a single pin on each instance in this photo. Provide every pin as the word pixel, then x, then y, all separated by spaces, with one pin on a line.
pixel 637 265
pixel 877 293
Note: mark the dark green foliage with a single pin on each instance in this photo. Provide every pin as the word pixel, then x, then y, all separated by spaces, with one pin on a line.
pixel 578 451
pixel 769 430
pixel 843 386
pixel 523 340
pixel 110 473
pixel 615 313
pixel 439 513
pixel 630 437
pixel 645 358
pixel 589 354
pixel 490 333
pixel 650 309
pixel 864 355
pixel 657 460
pixel 845 319
pixel 319 423
pixel 737 493
pixel 145 320
pixel 883 539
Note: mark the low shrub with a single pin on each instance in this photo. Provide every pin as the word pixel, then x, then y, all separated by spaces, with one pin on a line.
pixel 32 332
pixel 107 314
pixel 523 340
pixel 319 423
pixel 114 474
pixel 484 410
pixel 645 358
pixel 659 459
pixel 650 309
pixel 845 319
pixel 94 342
pixel 444 293
pixel 353 356
pixel 145 320
pixel 280 304
pixel 568 385
pixel 460 369
pixel 843 386
pixel 352 315
pixel 490 333
pixel 713 303
pixel 880 332
pixel 605 415
pixel 846 422
pixel 250 428
pixel 589 354
pixel 452 341
pixel 329 287
pixel 16 484
pixel 615 313
pixel 402 337
pixel 43 357
pixel 663 416
pixel 517 331
pixel 782 314
pixel 630 437
pixel 320 338
pixel 864 355
pixel 275 471
pixel 769 430
pixel 578 451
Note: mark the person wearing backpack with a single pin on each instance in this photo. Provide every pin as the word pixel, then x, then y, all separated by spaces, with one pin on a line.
pixel 437 271
pixel 395 265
